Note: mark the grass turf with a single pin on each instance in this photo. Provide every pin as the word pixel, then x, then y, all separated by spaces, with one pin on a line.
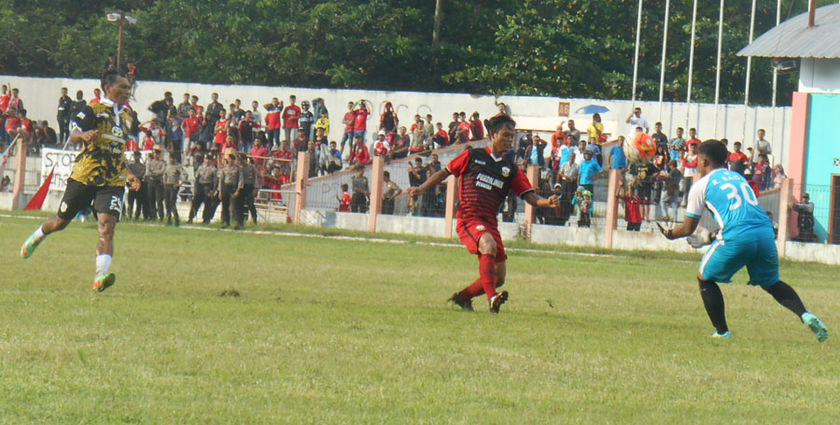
pixel 351 331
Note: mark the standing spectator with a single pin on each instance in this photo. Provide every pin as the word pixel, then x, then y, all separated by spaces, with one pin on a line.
pixel 381 146
pixel 778 176
pixel 259 153
pixel 567 177
pixel 583 200
pixel 503 110
pixel 199 110
pixel 362 153
pixel 137 195
pixel 160 108
pixel 589 170
pixel 191 126
pixel 677 147
pixel 361 191
pixel 805 220
pixel 595 130
pixel 345 200
pixel 689 170
pixel 306 120
pixel 207 132
pixel 692 138
pixel 205 184
pixel 738 160
pixel 763 146
pixel 335 159
pixel 221 129
pixel 273 122
pixel 390 192
pixel 463 131
pixel 323 122
pixel 635 120
pixel 672 177
pixel 185 107
pixel 322 152
pixel 573 134
pixel 283 161
pixel 389 121
pixel 255 112
pixel 644 187
pixel 535 153
pixel 230 187
pixel 175 138
pixel 237 111
pixel 618 160
pixel 65 106
pixel 660 138
pixel 360 121
pixel 632 213
pixel 416 172
pixel 762 173
pixel 453 127
pixel 291 120
pixel 97 97
pixel 214 107
pixel 301 144
pixel 476 127
pixel 401 143
pixel 428 132
pixel 349 122
pixel 246 129
pixel 172 177
pixel 155 169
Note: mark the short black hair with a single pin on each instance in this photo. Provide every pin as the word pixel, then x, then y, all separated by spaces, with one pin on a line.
pixel 499 122
pixel 109 78
pixel 715 151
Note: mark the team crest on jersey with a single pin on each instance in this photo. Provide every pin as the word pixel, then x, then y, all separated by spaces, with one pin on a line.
pixel 117 131
pixel 505 171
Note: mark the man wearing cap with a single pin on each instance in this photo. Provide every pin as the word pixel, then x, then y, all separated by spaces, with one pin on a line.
pixel 155 168
pixel 230 187
pixel 205 182
pixel 589 170
pixel 138 169
pixel 172 177
pixel 805 219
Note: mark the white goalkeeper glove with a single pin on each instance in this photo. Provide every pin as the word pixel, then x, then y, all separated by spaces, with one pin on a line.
pixel 701 238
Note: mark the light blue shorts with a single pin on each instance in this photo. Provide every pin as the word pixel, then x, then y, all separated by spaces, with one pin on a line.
pixel 754 249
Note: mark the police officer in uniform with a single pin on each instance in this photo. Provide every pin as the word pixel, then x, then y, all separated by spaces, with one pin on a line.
pixel 230 188
pixel 65 105
pixel 137 196
pixel 250 179
pixel 205 182
pixel 155 168
pixel 172 177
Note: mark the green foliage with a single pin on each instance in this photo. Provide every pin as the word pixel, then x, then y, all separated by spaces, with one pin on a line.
pixel 579 48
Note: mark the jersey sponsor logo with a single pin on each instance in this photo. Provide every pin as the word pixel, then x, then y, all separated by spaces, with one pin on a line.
pixel 488 182
pixel 81 115
pixel 117 131
pixel 480 227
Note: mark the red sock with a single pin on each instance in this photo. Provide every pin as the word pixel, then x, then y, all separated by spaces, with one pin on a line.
pixel 474 290
pixel 487 274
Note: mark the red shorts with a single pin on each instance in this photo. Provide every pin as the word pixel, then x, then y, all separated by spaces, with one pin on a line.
pixel 470 232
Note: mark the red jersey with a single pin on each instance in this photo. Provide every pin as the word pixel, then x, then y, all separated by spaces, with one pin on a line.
pixel 272 118
pixel 360 120
pixel 4 102
pixel 12 123
pixel 349 120
pixel 273 183
pixel 291 115
pixel 485 183
pixel 558 139
pixel 694 141
pixel 381 148
pixel 477 129
pixel 26 124
pixel 221 132
pixel 442 134
pixel 464 126
pixel 632 212
pixel 362 155
pixel 344 202
pixel 149 143
pixel 738 157
pixel 94 100
pixel 191 126
pixel 131 145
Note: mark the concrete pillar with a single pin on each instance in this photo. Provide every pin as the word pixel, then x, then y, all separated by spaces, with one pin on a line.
pixel 20 175
pixel 533 174
pixel 452 185
pixel 612 207
pixel 785 197
pixel 300 184
pixel 798 145
pixel 377 181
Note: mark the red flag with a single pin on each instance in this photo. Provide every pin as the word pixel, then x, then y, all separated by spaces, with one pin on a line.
pixel 38 200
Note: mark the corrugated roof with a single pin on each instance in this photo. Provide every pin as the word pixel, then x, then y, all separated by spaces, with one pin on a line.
pixel 794 39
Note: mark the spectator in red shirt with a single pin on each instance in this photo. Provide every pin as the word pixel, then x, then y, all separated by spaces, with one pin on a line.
pixel 381 147
pixel 360 121
pixel 283 161
pixel 345 198
pixel 632 210
pixel 738 160
pixel 463 132
pixel 221 129
pixel 502 110
pixel 190 126
pixel 4 98
pixel 291 117
pixel 389 121
pixel 258 153
pixel 692 138
pixel 273 123
pixel 199 110
pixel 441 137
pixel 97 96
pixel 349 122
pixel 361 154
pixel 476 127
pixel 487 177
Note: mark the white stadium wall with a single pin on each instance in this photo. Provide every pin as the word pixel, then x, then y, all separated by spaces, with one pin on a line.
pixel 736 122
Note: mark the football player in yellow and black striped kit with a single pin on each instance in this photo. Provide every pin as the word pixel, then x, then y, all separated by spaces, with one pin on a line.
pixel 99 175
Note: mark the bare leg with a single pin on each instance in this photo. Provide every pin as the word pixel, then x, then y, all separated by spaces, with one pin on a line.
pixel 107 224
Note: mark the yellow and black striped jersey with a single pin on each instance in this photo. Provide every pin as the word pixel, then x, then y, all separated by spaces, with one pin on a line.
pixel 102 161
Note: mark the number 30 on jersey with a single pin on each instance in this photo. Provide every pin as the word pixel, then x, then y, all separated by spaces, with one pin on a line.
pixel 732 193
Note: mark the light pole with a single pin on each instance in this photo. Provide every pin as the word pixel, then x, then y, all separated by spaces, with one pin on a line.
pixel 121 19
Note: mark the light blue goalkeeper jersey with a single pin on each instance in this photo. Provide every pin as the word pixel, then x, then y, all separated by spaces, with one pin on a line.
pixel 731 201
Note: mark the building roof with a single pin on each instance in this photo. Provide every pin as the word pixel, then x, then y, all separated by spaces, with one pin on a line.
pixel 794 39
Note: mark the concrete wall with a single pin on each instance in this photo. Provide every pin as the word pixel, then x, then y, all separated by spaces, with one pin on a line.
pixel 736 122
pixel 822 158
pixel 819 75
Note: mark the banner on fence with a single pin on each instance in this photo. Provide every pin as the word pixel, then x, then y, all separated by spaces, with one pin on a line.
pixel 63 162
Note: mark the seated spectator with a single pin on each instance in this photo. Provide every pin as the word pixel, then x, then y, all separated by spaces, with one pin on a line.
pixel 259 153
pixel 361 153
pixel 476 127
pixel 381 147
pixel 441 137
pixel 282 161
pixel 399 148
pixel 762 174
pixel 334 163
pixel 345 199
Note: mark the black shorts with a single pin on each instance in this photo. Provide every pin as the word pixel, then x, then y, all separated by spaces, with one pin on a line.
pixel 78 196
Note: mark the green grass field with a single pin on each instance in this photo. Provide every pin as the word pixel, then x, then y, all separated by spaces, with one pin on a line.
pixel 342 331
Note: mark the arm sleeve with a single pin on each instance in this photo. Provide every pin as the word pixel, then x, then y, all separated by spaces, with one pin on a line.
pixel 459 165
pixel 83 120
pixel 696 200
pixel 520 185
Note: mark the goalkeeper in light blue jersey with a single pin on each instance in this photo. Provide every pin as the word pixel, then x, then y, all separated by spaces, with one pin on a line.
pixel 745 238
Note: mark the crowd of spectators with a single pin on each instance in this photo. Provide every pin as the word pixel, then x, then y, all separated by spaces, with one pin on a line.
pixel 16 124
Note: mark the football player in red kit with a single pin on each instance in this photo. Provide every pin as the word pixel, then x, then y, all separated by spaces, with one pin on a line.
pixel 486 179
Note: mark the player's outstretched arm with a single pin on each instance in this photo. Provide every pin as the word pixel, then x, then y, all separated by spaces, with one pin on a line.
pixel 540 202
pixel 688 227
pixel 431 182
